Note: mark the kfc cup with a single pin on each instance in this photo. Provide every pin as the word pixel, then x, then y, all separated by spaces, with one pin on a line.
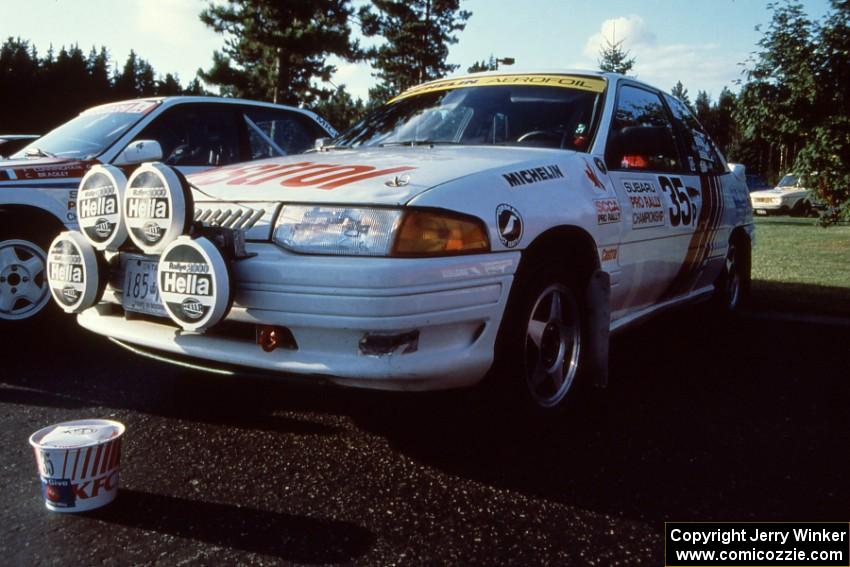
pixel 78 462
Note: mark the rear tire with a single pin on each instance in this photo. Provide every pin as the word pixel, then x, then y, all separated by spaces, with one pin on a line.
pixel 732 290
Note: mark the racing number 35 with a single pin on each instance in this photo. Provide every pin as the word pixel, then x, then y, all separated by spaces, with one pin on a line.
pixel 683 211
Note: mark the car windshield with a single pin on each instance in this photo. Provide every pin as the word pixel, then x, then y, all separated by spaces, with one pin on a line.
pixel 788 181
pixel 89 134
pixel 506 115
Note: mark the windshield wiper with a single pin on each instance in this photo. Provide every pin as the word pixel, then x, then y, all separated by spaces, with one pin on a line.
pixel 420 143
pixel 37 152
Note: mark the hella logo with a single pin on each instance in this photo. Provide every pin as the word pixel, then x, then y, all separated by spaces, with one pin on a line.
pixel 152 231
pixel 102 228
pixel 192 308
pixel 69 293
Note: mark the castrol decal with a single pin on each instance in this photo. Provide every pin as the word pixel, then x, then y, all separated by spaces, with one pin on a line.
pixel 157 207
pixel 194 283
pixel 99 202
pixel 73 273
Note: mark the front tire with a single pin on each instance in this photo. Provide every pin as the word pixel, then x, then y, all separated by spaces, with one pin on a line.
pixel 542 338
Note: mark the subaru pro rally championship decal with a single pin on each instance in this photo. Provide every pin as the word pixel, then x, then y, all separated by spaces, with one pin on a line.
pixel 194 283
pixel 72 272
pixel 157 207
pixel 99 201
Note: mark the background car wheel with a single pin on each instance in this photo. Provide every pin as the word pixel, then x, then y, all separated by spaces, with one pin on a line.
pixel 23 279
pixel 733 284
pixel 541 341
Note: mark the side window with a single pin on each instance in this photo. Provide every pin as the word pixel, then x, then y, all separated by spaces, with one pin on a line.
pixel 703 157
pixel 196 135
pixel 641 133
pixel 274 132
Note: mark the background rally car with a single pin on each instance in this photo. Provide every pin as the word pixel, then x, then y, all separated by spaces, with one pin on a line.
pixel 515 218
pixel 788 197
pixel 38 184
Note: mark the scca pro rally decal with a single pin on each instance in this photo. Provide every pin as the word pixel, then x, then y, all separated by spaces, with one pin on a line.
pixel 647 209
pixel 533 175
pixel 302 174
pixel 509 225
pixel 607 211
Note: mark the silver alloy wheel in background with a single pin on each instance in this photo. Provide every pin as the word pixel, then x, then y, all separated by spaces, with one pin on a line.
pixel 733 278
pixel 23 280
pixel 552 345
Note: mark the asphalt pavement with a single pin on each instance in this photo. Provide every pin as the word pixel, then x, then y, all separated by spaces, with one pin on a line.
pixel 703 420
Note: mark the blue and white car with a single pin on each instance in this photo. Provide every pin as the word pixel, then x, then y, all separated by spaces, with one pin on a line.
pixel 38 184
pixel 496 220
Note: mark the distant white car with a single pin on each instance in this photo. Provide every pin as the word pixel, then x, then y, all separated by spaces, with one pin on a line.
pixel 507 218
pixel 38 184
pixel 787 198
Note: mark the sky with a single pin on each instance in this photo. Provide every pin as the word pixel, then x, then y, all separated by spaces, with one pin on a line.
pixel 701 44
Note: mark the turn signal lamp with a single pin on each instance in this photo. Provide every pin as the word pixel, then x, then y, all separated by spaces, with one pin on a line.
pixel 435 233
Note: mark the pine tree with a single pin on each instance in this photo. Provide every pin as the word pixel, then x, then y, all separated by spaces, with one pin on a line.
pixel 679 91
pixel 276 49
pixel 614 59
pixel 418 34
pixel 485 65
pixel 339 108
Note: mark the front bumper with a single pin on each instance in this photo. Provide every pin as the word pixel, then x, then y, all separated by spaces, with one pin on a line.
pixel 330 304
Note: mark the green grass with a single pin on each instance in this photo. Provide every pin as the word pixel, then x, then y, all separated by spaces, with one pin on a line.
pixel 801 267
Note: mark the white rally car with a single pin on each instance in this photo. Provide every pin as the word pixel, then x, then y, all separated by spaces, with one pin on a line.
pixel 788 197
pixel 508 218
pixel 38 184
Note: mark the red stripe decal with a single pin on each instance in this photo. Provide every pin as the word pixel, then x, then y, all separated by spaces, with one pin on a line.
pixel 76 460
pixel 85 464
pixel 96 463
pixel 65 464
pixel 107 453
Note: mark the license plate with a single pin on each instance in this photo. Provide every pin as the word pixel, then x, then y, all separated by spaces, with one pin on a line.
pixel 140 288
pixel 761 212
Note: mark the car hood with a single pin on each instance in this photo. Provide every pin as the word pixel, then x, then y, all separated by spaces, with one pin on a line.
pixel 385 176
pixel 29 169
pixel 779 192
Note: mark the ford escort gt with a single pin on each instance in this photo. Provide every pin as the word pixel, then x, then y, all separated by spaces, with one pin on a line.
pixel 38 184
pixel 508 221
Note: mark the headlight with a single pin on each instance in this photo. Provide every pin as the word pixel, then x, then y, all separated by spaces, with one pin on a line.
pixel 315 229
pixel 354 231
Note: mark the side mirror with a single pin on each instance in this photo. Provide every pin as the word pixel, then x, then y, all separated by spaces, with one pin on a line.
pixel 139 151
pixel 739 171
